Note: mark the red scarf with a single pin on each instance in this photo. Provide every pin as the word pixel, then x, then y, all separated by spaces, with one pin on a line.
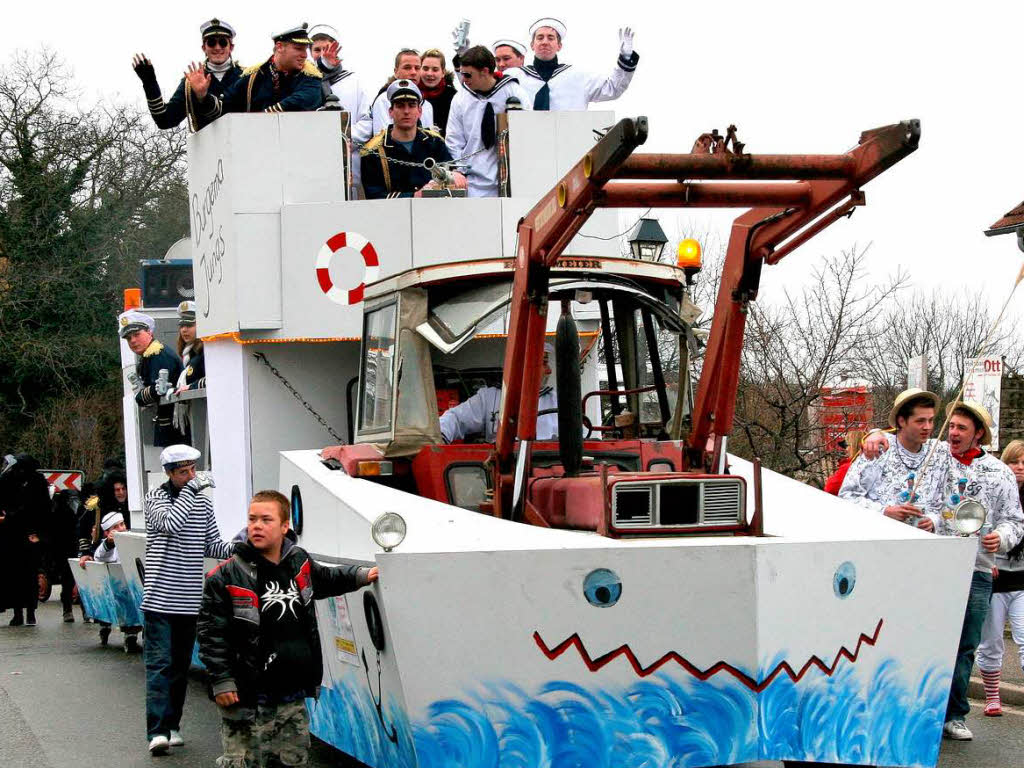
pixel 968 457
pixel 433 93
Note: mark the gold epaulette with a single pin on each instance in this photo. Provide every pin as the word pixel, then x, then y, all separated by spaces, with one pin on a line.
pixel 252 70
pixel 153 349
pixel 312 70
pixel 432 132
pixel 373 144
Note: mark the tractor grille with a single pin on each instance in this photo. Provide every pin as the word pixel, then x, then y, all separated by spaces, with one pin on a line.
pixel 692 502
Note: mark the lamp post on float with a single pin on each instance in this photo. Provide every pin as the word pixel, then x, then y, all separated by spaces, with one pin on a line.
pixel 648 241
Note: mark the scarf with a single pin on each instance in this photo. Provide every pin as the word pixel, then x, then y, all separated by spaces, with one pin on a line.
pixel 433 93
pixel 542 101
pixel 219 70
pixel 967 457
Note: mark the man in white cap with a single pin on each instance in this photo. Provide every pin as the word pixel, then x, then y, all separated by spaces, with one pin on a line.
pixel 180 531
pixel 106 552
pixel 968 473
pixel 392 160
pixel 343 83
pixel 556 86
pixel 472 126
pixel 407 67
pixel 508 53
pixel 218 44
pixel 152 383
pixel 478 415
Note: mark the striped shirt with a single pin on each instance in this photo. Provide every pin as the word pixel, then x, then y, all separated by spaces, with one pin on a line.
pixel 180 531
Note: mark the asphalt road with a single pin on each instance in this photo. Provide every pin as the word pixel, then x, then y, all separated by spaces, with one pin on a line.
pixel 65 701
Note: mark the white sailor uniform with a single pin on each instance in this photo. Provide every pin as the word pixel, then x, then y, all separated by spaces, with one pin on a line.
pixel 464 137
pixel 574 88
pixel 479 415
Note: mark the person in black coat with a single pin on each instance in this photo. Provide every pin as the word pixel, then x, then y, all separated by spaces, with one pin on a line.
pixel 218 43
pixel 24 499
pixel 61 542
pixel 137 329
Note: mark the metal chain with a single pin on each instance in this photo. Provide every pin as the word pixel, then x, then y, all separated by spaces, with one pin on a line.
pixel 451 163
pixel 323 422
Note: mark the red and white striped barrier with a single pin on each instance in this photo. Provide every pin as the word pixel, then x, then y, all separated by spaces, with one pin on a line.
pixel 64 479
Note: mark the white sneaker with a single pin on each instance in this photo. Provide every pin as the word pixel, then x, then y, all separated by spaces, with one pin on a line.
pixel 158 745
pixel 176 740
pixel 957 730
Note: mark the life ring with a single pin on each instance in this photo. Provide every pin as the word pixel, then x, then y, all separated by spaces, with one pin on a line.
pixel 371 266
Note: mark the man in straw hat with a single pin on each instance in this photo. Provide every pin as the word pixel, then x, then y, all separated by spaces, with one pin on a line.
pixel 886 484
pixel 966 472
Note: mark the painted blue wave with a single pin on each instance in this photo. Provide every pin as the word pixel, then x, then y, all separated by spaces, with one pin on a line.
pixel 99 603
pixel 671 719
pixel 345 717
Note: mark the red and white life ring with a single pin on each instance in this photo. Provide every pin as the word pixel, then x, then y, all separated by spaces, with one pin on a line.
pixel 371 265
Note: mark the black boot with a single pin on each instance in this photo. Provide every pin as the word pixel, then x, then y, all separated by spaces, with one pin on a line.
pixel 30 617
pixel 18 619
pixel 104 635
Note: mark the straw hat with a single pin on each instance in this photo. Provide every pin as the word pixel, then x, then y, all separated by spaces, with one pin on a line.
pixel 980 412
pixel 910 394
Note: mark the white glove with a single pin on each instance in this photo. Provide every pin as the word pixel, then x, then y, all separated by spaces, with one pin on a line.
pixel 460 37
pixel 135 381
pixel 626 42
pixel 202 481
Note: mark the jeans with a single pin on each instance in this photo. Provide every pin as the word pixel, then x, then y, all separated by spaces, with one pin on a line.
pixel 970 636
pixel 1002 606
pixel 167 654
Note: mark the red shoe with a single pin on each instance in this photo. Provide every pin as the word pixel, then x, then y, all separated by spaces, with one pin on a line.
pixel 994 709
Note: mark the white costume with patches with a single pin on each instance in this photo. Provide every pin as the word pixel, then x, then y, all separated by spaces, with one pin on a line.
pixel 463 135
pixel 886 481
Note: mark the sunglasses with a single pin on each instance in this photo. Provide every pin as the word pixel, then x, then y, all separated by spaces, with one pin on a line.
pixel 218 41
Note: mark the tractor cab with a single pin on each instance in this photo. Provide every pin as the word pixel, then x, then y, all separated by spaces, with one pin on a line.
pixel 609 457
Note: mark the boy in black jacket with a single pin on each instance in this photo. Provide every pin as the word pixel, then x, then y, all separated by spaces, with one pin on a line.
pixel 258 637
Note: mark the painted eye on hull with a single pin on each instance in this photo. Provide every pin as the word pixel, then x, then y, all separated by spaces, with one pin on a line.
pixel 844 580
pixel 602 588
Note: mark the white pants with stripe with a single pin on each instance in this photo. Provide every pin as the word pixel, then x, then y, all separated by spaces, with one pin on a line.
pixel 1003 606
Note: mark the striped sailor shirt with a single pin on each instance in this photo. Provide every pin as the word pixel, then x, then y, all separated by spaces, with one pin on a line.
pixel 180 531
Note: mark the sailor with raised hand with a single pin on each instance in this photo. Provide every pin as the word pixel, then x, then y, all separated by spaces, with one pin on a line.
pixel 218 42
pixel 343 83
pixel 286 82
pixel 472 126
pixel 556 86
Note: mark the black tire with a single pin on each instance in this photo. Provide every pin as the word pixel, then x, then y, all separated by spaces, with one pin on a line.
pixel 45 587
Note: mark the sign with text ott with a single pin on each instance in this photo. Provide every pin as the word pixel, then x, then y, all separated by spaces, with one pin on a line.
pixel 984 380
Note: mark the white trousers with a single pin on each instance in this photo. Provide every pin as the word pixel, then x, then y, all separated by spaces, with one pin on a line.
pixel 1004 605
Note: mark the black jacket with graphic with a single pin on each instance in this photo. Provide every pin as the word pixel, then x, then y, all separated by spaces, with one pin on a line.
pixel 257 624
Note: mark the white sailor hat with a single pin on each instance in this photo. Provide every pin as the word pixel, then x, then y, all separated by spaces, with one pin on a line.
pixel 513 44
pixel 216 27
pixel 110 520
pixel 555 24
pixel 324 29
pixel 299 34
pixel 187 313
pixel 131 321
pixel 404 89
pixel 174 456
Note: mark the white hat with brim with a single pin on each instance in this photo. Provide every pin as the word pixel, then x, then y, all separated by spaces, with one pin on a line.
pixel 906 396
pixel 174 456
pixel 980 412
pixel 133 320
pixel 326 30
pixel 513 44
pixel 555 24
pixel 110 520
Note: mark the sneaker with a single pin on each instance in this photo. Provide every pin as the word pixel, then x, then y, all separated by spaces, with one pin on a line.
pixel 158 745
pixel 69 617
pixel 104 635
pixel 176 740
pixel 131 645
pixel 994 709
pixel 957 730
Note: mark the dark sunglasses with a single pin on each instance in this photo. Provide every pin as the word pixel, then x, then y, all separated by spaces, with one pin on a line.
pixel 218 41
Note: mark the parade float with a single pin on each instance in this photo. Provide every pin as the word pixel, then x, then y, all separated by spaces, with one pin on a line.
pixel 626 595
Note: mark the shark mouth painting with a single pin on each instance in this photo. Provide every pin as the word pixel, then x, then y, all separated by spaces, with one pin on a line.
pixel 754 685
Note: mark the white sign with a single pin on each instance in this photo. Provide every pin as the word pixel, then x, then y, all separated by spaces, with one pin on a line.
pixel 917 372
pixel 344 636
pixel 984 377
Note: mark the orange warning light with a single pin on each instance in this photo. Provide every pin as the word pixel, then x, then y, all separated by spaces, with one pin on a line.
pixel 689 254
pixel 132 298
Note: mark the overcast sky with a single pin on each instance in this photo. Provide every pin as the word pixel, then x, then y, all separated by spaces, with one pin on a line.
pixel 794 76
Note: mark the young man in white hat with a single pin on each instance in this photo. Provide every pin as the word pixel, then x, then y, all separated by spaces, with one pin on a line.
pixel 137 329
pixel 180 531
pixel 553 85
pixel 967 472
pixel 106 552
pixel 886 484
pixel 472 122
pixel 343 83
pixel 508 53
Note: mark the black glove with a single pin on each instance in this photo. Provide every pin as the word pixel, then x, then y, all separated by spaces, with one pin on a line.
pixel 147 74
